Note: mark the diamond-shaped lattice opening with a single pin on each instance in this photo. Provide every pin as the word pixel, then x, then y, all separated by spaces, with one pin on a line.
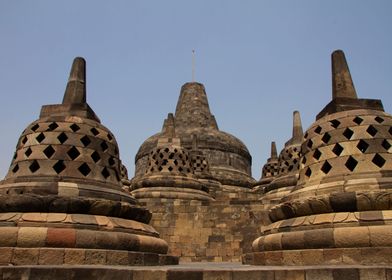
pixel 24 140
pixel 306 135
pixel 317 154
pixel 171 155
pixel 371 130
pixel 326 138
pixel 335 123
pixel 40 137
pixel 358 120
pixel 94 131
pixel 161 155
pixel 52 126
pixel 180 156
pixel 104 146
pixel 378 160
pixel 105 173
pixel 62 137
pixel 110 137
pixel 326 167
pixel 28 152
pixel 111 161
pixel 348 133
pixel 164 162
pixel 74 127
pixel 290 168
pixel 385 144
pixel 85 140
pixel 34 166
pixel 337 149
pixel 59 166
pixel 309 144
pixel 35 127
pixel 160 168
pixel 84 169
pixel 73 153
pixel 175 162
pixel 180 169
pixel 318 129
pixel 303 160
pixel 290 155
pixel 378 119
pixel 362 146
pixel 49 151
pixel 170 168
pixel 286 163
pixel 351 163
pixel 95 156
pixel 308 172
pixel 166 150
pixel 15 169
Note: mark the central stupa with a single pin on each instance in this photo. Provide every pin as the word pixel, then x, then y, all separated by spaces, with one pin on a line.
pixel 229 159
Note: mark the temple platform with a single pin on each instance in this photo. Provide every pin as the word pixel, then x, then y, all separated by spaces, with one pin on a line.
pixel 198 271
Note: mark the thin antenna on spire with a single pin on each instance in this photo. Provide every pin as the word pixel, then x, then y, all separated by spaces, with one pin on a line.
pixel 193 66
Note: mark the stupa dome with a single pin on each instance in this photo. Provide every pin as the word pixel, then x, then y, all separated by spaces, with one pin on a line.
pixel 229 159
pixel 64 189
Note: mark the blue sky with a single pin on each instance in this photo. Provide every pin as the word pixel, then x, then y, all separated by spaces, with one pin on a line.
pixel 259 61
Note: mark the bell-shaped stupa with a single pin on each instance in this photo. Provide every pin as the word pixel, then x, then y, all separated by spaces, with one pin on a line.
pixel 340 210
pixel 288 171
pixel 229 159
pixel 170 172
pixel 62 200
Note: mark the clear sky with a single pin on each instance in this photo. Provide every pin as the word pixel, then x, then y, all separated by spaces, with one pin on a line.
pixel 259 61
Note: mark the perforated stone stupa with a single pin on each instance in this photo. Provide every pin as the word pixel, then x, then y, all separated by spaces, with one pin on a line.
pixel 229 159
pixel 171 172
pixel 286 177
pixel 196 180
pixel 340 210
pixel 62 200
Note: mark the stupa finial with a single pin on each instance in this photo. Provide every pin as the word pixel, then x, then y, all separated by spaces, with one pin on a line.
pixel 170 126
pixel 342 83
pixel 274 153
pixel 76 86
pixel 297 127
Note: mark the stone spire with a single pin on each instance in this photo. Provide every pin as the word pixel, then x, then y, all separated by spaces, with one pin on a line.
pixel 192 108
pixel 342 83
pixel 74 100
pixel 274 153
pixel 75 91
pixel 298 133
pixel 169 126
pixel 344 96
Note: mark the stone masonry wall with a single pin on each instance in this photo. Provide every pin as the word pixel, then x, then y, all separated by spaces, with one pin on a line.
pixel 220 230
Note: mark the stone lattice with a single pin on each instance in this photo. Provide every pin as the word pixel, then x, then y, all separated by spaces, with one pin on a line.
pixel 341 204
pixel 62 200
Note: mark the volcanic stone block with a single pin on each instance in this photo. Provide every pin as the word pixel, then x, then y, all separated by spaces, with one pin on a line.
pixel 74 256
pixel 61 237
pixel 50 256
pixel 32 237
pixel 25 256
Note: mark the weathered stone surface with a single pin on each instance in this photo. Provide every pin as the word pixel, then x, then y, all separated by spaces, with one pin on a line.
pixel 66 171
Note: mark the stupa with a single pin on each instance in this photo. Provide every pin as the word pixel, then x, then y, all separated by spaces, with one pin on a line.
pixel 229 159
pixel 340 210
pixel 62 200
